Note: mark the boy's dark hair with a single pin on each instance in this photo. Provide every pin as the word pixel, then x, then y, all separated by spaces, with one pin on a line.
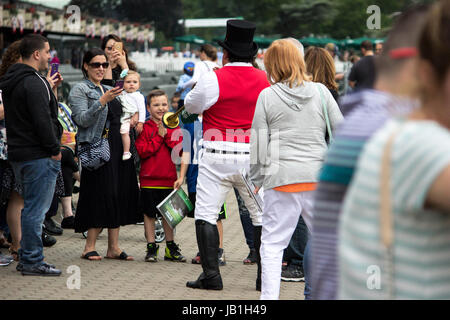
pixel 404 34
pixel 89 55
pixel 367 45
pixel 176 95
pixel 233 58
pixel 30 43
pixel 156 93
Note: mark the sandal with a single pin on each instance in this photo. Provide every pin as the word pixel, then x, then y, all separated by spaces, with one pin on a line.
pixel 91 254
pixel 14 254
pixel 251 258
pixel 121 256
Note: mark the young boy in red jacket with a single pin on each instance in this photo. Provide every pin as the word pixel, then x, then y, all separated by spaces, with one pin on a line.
pixel 158 174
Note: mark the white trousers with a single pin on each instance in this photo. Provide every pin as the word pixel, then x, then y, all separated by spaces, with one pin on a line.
pixel 281 213
pixel 217 175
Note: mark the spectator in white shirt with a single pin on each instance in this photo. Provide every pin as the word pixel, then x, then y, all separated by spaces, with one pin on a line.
pixel 208 56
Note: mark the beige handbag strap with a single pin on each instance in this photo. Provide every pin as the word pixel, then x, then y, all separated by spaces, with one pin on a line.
pixel 386 217
pixel 386 223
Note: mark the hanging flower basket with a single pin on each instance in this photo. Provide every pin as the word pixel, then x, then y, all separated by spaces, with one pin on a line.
pixel 141 35
pixel 42 24
pixel 8 6
pixel 104 29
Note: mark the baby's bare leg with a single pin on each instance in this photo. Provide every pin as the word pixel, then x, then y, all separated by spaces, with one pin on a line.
pixel 126 142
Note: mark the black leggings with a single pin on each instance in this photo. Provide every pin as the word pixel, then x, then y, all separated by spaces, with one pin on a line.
pixel 68 167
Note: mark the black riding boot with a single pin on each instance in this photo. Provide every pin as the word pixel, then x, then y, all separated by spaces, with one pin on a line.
pixel 208 245
pixel 257 242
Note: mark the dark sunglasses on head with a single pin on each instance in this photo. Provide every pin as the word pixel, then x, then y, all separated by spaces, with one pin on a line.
pixel 97 65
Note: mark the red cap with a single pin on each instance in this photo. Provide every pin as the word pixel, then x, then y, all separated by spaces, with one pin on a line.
pixel 401 53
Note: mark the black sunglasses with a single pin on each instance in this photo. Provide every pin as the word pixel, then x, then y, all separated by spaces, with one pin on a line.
pixel 97 65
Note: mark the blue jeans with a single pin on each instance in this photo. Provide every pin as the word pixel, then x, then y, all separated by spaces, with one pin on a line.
pixel 246 221
pixel 38 178
pixel 307 271
pixel 293 254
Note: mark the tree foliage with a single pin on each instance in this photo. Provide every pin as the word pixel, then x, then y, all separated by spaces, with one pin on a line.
pixel 297 18
pixel 164 14
pixel 305 17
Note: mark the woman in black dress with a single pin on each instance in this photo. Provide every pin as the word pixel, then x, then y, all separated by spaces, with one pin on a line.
pixel 118 61
pixel 109 196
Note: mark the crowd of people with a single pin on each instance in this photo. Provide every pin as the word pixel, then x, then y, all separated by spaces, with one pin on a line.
pixel 351 183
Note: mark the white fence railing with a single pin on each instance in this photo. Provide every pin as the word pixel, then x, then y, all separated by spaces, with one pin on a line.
pixel 167 63
pixel 147 61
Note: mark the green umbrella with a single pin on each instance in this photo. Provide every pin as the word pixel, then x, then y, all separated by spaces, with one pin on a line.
pixel 263 42
pixel 318 42
pixel 310 41
pixel 190 38
pixel 325 41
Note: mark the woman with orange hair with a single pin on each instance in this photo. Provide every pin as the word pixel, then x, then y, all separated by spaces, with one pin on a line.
pixel 287 149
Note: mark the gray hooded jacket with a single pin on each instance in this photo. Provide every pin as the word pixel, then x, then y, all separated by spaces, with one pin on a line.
pixel 288 134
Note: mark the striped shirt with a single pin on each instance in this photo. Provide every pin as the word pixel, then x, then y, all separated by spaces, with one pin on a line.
pixel 421 245
pixel 365 112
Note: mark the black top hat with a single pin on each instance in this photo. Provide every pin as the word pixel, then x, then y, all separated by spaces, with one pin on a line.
pixel 239 39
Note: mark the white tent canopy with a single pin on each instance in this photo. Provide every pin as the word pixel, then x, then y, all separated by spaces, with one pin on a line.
pixel 206 23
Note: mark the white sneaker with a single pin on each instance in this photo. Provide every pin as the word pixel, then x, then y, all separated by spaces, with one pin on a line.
pixel 126 156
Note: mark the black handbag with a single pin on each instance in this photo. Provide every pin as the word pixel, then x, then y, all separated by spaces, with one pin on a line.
pixel 94 155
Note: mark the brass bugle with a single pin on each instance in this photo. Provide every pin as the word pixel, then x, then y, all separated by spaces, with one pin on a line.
pixel 171 120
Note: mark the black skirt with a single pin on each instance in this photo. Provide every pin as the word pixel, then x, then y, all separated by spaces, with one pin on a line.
pixel 109 196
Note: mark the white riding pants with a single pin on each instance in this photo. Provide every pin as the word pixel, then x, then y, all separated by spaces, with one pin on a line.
pixel 281 213
pixel 217 175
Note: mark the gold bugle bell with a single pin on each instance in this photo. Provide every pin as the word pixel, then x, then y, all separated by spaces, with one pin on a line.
pixel 170 119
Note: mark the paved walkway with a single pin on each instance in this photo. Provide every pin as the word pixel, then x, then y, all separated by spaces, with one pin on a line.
pixel 111 279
